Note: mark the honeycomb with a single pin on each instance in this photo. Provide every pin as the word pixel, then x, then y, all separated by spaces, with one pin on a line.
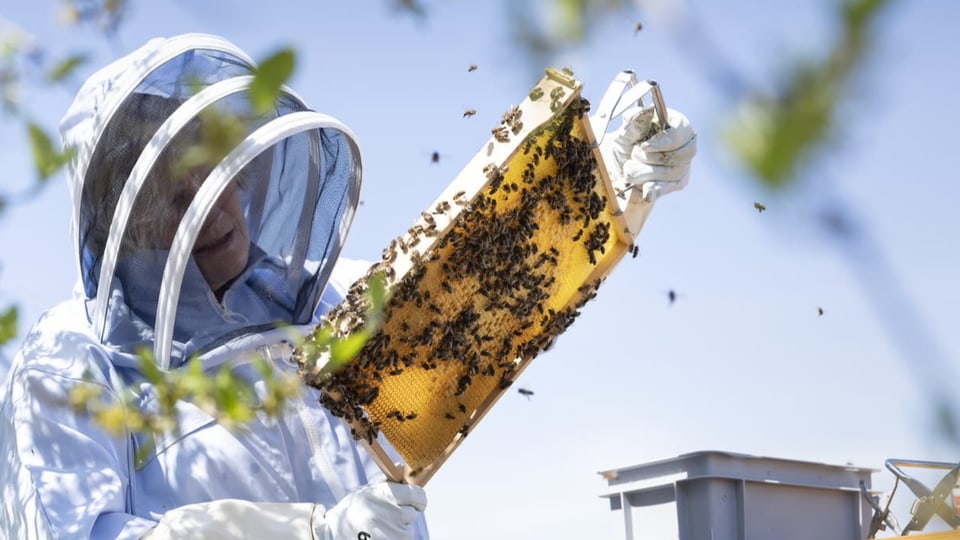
pixel 483 282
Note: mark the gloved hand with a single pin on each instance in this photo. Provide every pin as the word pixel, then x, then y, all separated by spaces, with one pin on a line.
pixel 640 156
pixel 382 511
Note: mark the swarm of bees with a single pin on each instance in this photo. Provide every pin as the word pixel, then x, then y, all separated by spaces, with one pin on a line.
pixel 481 284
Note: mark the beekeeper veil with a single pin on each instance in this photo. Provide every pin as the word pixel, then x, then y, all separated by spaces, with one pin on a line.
pixel 198 217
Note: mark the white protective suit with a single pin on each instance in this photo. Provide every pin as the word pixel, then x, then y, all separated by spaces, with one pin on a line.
pixel 296 174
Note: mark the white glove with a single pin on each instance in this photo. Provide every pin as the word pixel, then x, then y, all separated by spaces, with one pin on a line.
pixel 382 511
pixel 656 166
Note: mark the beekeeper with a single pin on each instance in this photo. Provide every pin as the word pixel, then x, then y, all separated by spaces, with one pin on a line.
pixel 223 257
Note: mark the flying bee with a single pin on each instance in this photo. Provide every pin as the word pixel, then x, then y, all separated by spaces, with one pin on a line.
pixel 637 27
pixel 525 392
pixel 473 67
pixel 469 112
pixel 635 251
pixel 759 206
pixel 672 296
pixel 819 311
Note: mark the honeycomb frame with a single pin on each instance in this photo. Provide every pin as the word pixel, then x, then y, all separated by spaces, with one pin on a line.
pixel 482 283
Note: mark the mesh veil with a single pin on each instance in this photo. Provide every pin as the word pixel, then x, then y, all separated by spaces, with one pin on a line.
pixel 275 227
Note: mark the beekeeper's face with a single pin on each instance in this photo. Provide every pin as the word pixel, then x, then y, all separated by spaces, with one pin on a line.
pixel 223 246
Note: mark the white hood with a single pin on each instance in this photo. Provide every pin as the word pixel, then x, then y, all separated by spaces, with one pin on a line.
pixel 296 174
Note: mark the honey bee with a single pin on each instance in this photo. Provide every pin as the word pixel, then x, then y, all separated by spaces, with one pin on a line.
pixel 759 206
pixel 459 198
pixel 501 134
pixel 536 93
pixel 493 172
pixel 637 27
pixel 428 219
pixel 819 311
pixel 462 384
pixel 525 392
pixel 435 157
pixel 635 251
pixel 469 112
pixel 473 67
pixel 511 117
pixel 390 254
pixel 672 296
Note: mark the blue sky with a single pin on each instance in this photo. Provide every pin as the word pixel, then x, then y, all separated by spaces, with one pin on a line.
pixel 741 361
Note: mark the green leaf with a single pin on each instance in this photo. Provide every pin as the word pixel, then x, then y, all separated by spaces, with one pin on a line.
pixel 377 293
pixel 269 76
pixel 149 367
pixel 346 349
pixel 66 67
pixel 45 156
pixel 8 324
pixel 193 381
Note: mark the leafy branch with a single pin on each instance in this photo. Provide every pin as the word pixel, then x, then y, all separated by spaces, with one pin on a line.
pixel 226 395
